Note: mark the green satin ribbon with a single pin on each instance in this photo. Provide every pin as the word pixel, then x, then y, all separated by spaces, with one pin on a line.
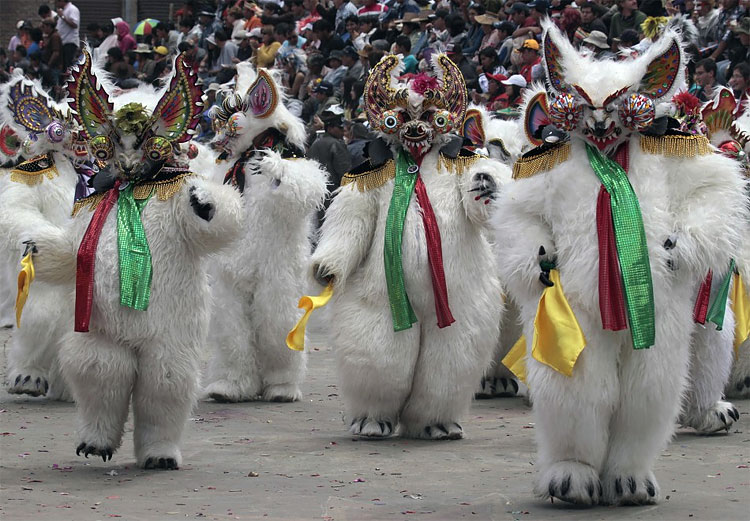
pixel 632 250
pixel 719 305
pixel 135 256
pixel 403 188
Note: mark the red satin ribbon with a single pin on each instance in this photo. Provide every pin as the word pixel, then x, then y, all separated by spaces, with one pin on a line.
pixel 701 301
pixel 434 256
pixel 87 257
pixel 611 291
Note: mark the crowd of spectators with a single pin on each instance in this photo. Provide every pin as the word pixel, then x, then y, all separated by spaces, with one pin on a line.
pixel 323 49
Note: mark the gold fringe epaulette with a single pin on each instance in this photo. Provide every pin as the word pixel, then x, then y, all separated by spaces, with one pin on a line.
pixel 164 190
pixel 33 171
pixel 533 164
pixel 457 165
pixel 370 179
pixel 676 146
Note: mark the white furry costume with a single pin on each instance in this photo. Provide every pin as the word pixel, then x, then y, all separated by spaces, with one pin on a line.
pixel 257 285
pixel 150 353
pixel 38 197
pixel 421 377
pixel 600 429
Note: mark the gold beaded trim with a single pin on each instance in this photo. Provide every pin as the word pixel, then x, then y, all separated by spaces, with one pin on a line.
pixel 33 171
pixel 372 178
pixel 457 166
pixel 530 166
pixel 676 146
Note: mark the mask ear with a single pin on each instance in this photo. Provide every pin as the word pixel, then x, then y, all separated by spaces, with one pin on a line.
pixel 88 100
pixel 535 117
pixel 552 60
pixel 29 107
pixel 663 71
pixel 179 109
pixel 473 130
pixel 453 87
pixel 262 95
pixel 718 114
pixel 379 93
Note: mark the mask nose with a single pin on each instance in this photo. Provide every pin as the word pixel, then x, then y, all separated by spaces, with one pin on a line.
pixel 599 128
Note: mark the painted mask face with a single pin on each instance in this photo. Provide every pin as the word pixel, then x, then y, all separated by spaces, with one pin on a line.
pixel 604 101
pixel 417 113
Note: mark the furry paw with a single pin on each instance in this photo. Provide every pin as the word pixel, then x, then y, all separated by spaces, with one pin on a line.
pixel 224 391
pixel 484 187
pixel 28 382
pixel 370 428
pixel 442 431
pixel 490 387
pixel 739 387
pixel 631 489
pixel 282 393
pixel 719 417
pixel 90 448
pixel 570 481
pixel 158 463
pixel 203 209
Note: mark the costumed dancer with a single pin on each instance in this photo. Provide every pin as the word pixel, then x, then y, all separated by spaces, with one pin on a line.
pixel 621 220
pixel 415 294
pixel 137 247
pixel 39 197
pixel 257 286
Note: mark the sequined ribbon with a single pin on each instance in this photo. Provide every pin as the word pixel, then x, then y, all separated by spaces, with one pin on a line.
pixel 401 310
pixel 434 257
pixel 632 250
pixel 86 259
pixel 611 294
pixel 700 310
pixel 719 305
pixel 134 253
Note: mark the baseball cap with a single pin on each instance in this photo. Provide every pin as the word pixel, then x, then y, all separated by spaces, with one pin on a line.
pixel 161 50
pixel 497 77
pixel 539 5
pixel 324 87
pixel 350 51
pixel 519 7
pixel 19 24
pixel 334 55
pixel 516 79
pixel 530 44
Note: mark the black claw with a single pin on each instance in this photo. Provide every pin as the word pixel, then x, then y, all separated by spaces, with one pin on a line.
pixel 590 489
pixel 747 381
pixel 390 426
pixel 723 418
pixel 38 382
pixel 544 278
pixel 428 430
pixel 483 382
pixel 441 427
pixel 650 488
pixel 28 377
pixel 565 486
pixel 551 488
pixel 542 251
pixel 732 414
pixel 504 382
pixel 362 423
pixel 80 448
pixel 631 484
pixel 514 384
pixel 599 489
pixel 46 386
pixel 18 379
pixel 458 425
pixel 382 427
pixel 618 486
pixel 736 414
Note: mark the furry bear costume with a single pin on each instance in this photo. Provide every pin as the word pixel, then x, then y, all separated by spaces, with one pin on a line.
pixel 600 429
pixel 141 289
pixel 256 288
pixel 397 364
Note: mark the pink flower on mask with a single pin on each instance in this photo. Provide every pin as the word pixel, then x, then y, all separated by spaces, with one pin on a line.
pixel 422 82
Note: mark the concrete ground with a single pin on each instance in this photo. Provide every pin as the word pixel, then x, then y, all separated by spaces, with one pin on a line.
pixel 296 461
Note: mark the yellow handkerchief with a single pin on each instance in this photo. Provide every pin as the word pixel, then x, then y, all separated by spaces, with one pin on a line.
pixel 515 360
pixel 741 307
pixel 25 277
pixel 296 337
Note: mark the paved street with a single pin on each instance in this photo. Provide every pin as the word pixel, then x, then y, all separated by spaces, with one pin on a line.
pixel 295 461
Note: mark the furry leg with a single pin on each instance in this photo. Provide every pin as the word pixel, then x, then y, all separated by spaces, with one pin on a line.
pixel 375 364
pixel 572 416
pixel 101 375
pixel 233 372
pixel 739 380
pixel 711 362
pixel 499 380
pixel 163 397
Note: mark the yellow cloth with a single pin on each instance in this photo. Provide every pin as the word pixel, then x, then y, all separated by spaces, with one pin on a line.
pixel 558 339
pixel 741 307
pixel 25 277
pixel 296 337
pixel 515 360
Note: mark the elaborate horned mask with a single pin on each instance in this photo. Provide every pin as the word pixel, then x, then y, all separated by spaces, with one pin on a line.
pixel 417 112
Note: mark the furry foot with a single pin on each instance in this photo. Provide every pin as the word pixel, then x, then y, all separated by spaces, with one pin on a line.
pixel 631 489
pixel 719 417
pixel 29 382
pixel 282 393
pixel 570 481
pixel 155 462
pixel 370 428
pixel 492 387
pixel 223 391
pixel 442 431
pixel 86 448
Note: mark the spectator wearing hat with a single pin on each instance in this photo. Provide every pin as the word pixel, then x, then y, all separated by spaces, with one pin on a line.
pixel 329 148
pixel 496 96
pixel 529 58
pixel 145 64
pixel 166 37
pixel 206 26
pixel 596 42
pixel 740 53
pixel 399 9
pixel 250 13
pixel 589 22
pixel 627 17
pixel 514 87
pixel 489 36
pixel 68 22
pixel 18 38
pixel 355 70
pixel 336 71
pixel 455 53
pixel 344 10
pixel 322 99
pixel 489 63
pixel 402 46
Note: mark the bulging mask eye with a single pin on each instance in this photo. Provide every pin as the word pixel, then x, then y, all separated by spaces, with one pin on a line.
pixel 236 124
pixel 442 120
pixel 391 122
pixel 158 149
pixel 55 132
pixel 102 148
pixel 564 112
